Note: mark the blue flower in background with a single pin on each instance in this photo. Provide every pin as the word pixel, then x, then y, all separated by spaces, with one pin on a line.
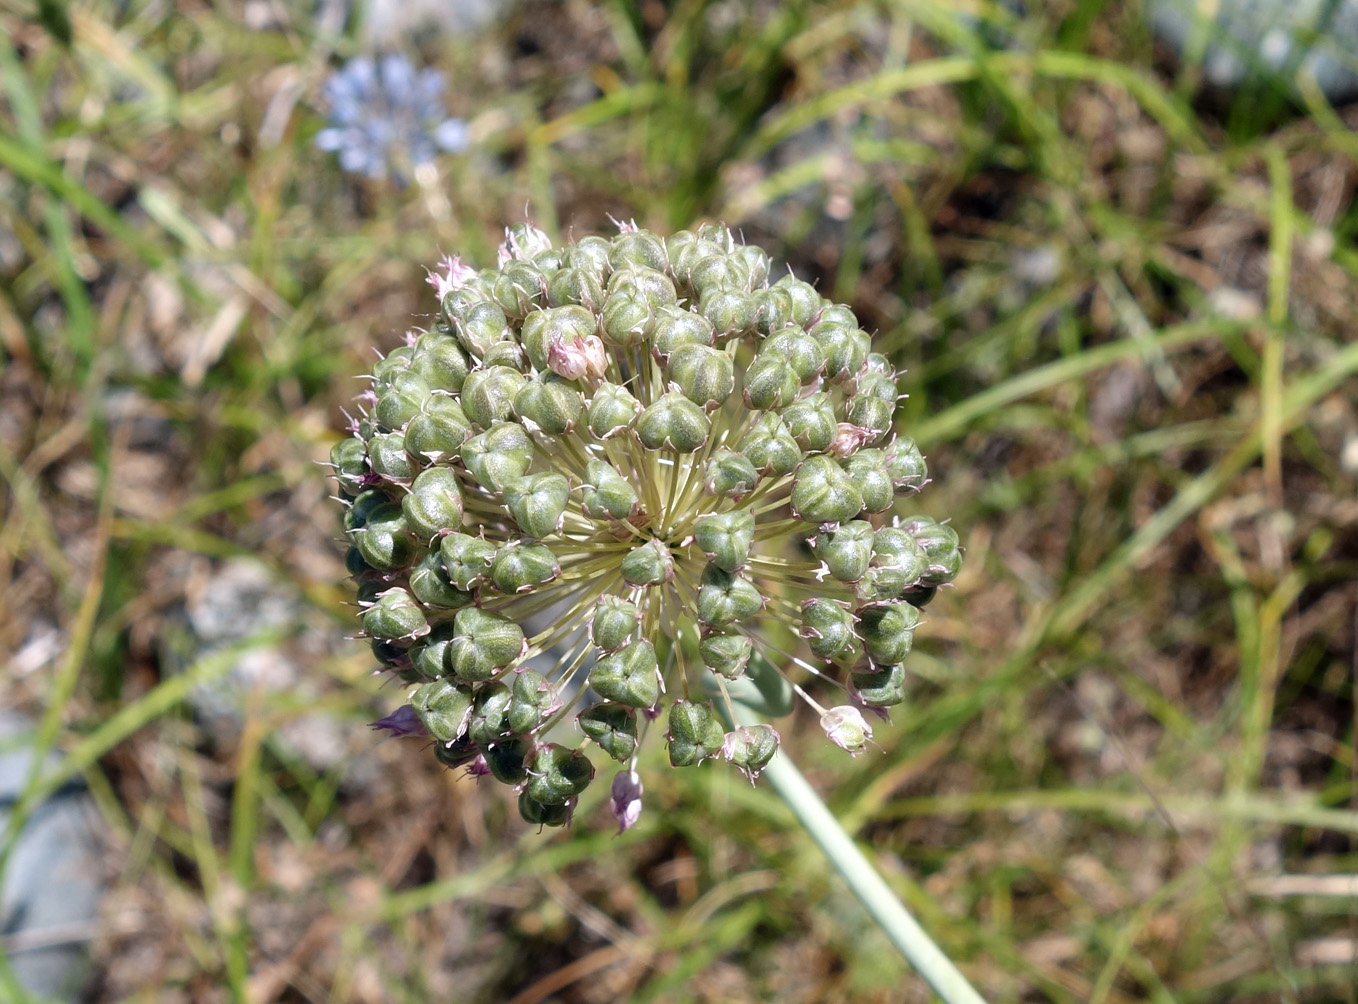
pixel 388 117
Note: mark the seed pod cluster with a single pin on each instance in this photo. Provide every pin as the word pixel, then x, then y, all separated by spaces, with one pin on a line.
pixel 666 458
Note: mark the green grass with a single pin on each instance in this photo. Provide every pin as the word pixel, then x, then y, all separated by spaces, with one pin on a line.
pixel 1127 315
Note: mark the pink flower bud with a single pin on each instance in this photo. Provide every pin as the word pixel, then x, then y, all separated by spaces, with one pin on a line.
pixel 625 803
pixel 846 728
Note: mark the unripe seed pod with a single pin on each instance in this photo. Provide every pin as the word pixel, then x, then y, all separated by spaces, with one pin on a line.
pixel 726 653
pixel 521 567
pixel 629 676
pixel 673 422
pixel 438 432
pixel 524 242
pixel 867 469
pixel 756 262
pixel 823 493
pixel 695 734
pixel 434 503
pixel 538 502
pixel 875 383
pixel 729 474
pixel 354 563
pixel 590 252
pixel 559 326
pixel 883 689
pixel 395 615
pixel 731 312
pixel 774 310
pixel 941 547
pixel 485 643
pixel 606 494
pixel 499 456
pixel 844 346
pixel 770 447
pixel 557 774
pixel 627 318
pixel 432 586
pixel 705 375
pixel 520 288
pixel 508 761
pixel 443 708
pixel 828 628
pixel 838 313
pixel 920 596
pixel 725 598
pixel 385 540
pixel 440 361
pixel 887 630
pixel 364 507
pixel 683 257
pixel 487 723
pixel 652 285
pixel 388 458
pixel 906 465
pixel 457 753
pixel 393 655
pixel 538 814
pixel 488 394
pixel 726 537
pixel 615 621
pixel 429 656
pixel 811 422
pixel 553 405
pixel 396 362
pixel 771 383
pixel 507 353
pixel 533 700
pixel 612 410
pixel 611 726
pixel 721 271
pixel 401 400
pixel 869 413
pixel 648 564
pixel 549 261
pixel 575 285
pixel 638 247
pixel 805 300
pixel 674 327
pixel 349 458
pixel 846 728
pixel 802 352
pixel 480 326
pixel 898 563
pixel 466 559
pixel 750 748
pixel 457 304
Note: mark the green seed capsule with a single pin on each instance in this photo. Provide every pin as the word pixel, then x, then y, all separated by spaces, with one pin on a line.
pixel 941 547
pixel 750 748
pixel 869 413
pixel 395 615
pixel 508 354
pixel 802 352
pixel 719 271
pixel 731 312
pixel 626 318
pixel 828 627
pixel 508 761
pixel 364 506
pixel 354 563
pixel 876 383
pixel 466 559
pixel 592 253
pixel 675 327
pixel 552 404
pixel 811 422
pixel 534 699
pixel 498 457
pixel 432 586
pixel 606 494
pixel 443 708
pixel 887 630
pixel 673 422
pixel 520 288
pixel 396 362
pixel 883 689
pixel 575 286
pixel 726 654
pixel 651 285
pixel 440 361
pixel 538 502
pixel 557 326
pixel 629 676
pixel 612 410
pixel 687 254
pixel 805 300
pixel 385 540
pixel 437 433
pixel 844 346
pixel 487 723
pixel 729 474
pixel 638 247
pixel 906 465
pixel 898 563
pixel 429 656
pixel 705 375
pixel 648 564
pixel 726 537
pixel 868 471
pixel 612 727
pixel 770 447
pixel 521 567
pixel 823 493
pixel 557 774
pixel 488 394
pixel 725 598
pixel 485 643
pixel 538 814
pixel 756 261
pixel 349 458
pixel 480 326
pixel 456 754
pixel 846 550
pixel 775 310
pixel 388 458
pixel 524 242
pixel 615 621
pixel 771 383
pixel 401 400
pixel 695 734
pixel 434 503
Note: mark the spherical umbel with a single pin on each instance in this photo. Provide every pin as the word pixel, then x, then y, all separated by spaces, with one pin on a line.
pixel 642 461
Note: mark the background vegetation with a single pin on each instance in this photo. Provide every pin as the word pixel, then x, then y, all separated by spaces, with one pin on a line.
pixel 1126 307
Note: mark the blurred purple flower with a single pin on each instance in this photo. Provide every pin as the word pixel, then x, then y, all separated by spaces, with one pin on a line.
pixel 625 803
pixel 388 117
pixel 401 722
